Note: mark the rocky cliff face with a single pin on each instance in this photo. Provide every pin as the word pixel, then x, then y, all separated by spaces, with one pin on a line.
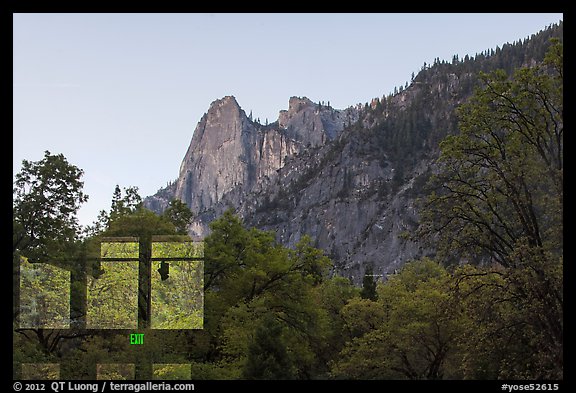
pixel 231 156
pixel 319 171
pixel 349 178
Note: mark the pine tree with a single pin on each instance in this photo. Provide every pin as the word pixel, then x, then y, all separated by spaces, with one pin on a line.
pixel 267 355
pixel 369 285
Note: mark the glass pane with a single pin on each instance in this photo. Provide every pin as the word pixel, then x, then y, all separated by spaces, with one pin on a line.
pixel 119 249
pixel 115 371
pixel 40 371
pixel 177 298
pixel 172 371
pixel 177 286
pixel 177 249
pixel 44 296
pixel 112 297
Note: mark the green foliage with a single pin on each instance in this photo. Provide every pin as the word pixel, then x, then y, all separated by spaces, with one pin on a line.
pixel 276 313
pixel 502 179
pixel 499 201
pixel 361 316
pixel 119 249
pixel 249 278
pixel 141 223
pixel 102 347
pixel 179 214
pixel 121 206
pixel 177 286
pixel 369 285
pixel 44 296
pixel 492 337
pixel 409 333
pixel 177 301
pixel 115 371
pixel 171 371
pixel 113 297
pixel 310 261
pixel 46 197
pixel 42 371
pixel 267 354
pixel 125 205
pixel 212 371
pixel 26 351
pixel 518 330
pixel 330 297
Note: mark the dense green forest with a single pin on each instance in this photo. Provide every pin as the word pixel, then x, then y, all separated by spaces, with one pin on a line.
pixel 489 305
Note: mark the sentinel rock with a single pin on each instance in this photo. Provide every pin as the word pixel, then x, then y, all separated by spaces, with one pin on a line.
pixel 231 156
pixel 215 161
pixel 348 178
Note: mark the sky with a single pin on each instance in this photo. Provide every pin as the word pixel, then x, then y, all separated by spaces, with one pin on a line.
pixel 119 95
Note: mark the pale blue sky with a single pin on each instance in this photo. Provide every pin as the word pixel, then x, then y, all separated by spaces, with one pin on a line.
pixel 120 94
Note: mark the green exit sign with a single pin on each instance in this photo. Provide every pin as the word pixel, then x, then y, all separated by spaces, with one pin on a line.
pixel 137 338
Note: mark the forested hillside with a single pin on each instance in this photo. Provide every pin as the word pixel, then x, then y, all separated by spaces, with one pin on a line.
pixel 481 296
pixel 348 178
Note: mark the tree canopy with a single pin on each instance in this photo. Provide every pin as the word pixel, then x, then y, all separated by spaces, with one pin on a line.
pixel 499 201
pixel 488 304
pixel 46 197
